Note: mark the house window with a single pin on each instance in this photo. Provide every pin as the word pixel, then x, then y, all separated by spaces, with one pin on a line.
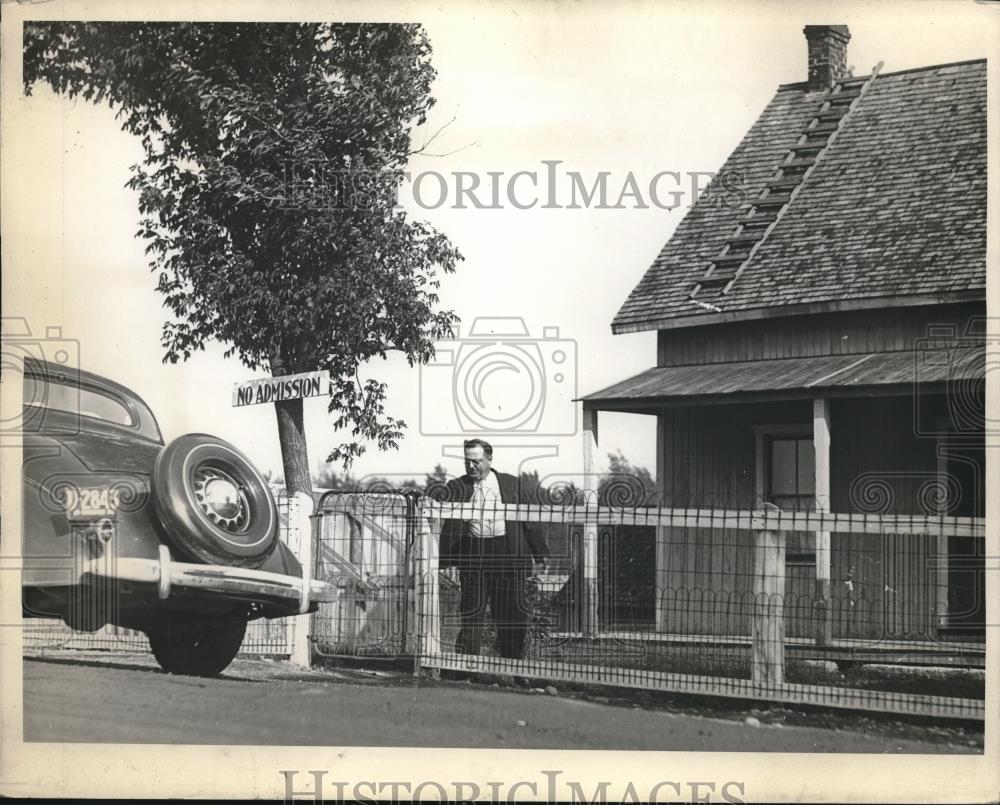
pixel 786 477
pixel 791 477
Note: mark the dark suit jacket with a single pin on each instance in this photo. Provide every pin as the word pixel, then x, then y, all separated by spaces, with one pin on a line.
pixel 457 546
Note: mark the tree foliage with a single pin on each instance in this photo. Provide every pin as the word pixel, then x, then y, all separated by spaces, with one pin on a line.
pixel 267 191
pixel 625 485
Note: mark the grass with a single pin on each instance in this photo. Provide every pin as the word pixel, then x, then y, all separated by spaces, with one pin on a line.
pixel 731 661
pixel 734 662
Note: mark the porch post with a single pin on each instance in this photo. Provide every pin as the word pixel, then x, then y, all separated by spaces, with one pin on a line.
pixel 661 578
pixel 590 486
pixel 941 582
pixel 821 445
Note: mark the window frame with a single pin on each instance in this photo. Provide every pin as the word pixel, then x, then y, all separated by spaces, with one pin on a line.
pixel 764 435
pixel 136 426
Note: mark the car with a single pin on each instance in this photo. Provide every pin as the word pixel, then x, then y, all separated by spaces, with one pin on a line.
pixel 179 540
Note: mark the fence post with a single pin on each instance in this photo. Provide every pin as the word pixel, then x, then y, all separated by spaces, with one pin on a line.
pixel 768 605
pixel 823 621
pixel 300 522
pixel 428 626
pixel 590 530
pixel 409 604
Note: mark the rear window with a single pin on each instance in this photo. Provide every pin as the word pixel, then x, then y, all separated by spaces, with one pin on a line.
pixel 85 402
pixel 60 395
pixel 57 400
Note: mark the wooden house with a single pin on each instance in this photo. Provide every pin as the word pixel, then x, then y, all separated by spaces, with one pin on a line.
pixel 821 344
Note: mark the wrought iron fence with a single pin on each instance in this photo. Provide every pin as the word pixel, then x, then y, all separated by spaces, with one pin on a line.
pixel 715 601
pixel 724 602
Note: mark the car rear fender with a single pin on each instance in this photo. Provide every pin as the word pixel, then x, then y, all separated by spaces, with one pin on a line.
pixel 282 560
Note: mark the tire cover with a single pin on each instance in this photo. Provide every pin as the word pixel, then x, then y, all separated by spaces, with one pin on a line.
pixel 179 484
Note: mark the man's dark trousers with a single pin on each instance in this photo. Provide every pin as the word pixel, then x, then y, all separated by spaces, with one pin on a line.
pixel 495 575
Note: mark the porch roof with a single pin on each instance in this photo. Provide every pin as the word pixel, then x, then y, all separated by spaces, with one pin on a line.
pixel 871 373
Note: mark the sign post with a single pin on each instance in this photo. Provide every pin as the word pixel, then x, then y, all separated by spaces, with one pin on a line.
pixel 300 506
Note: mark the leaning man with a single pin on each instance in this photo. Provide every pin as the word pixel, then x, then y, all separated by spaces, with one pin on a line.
pixel 494 556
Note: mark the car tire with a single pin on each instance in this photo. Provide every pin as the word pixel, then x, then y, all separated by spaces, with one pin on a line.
pixel 213 504
pixel 182 648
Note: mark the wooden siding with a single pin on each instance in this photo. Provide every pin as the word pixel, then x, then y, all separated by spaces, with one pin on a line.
pixel 882 586
pixel 853 333
pixel 704 574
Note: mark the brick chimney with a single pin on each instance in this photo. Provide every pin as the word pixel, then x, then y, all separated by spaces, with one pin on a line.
pixel 827 54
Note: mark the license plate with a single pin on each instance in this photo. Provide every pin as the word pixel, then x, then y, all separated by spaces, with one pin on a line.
pixel 93 502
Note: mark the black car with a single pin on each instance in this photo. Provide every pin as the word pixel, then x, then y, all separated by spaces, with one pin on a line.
pixel 179 541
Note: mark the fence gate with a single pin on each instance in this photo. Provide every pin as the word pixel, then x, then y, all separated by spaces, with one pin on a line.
pixel 363 546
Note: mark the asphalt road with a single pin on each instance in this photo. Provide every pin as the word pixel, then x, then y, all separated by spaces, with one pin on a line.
pixel 129 700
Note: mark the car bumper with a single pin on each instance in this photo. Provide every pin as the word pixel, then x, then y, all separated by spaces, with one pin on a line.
pixel 172 577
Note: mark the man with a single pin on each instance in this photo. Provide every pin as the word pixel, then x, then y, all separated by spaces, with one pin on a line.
pixel 493 555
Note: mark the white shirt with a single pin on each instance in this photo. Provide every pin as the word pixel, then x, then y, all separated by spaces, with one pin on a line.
pixel 490 508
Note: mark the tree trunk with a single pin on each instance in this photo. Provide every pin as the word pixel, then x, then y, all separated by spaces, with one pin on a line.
pixel 294 456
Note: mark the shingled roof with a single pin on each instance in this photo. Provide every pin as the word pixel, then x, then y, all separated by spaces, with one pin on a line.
pixel 894 212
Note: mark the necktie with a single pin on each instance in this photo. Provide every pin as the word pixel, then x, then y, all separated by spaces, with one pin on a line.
pixel 479 525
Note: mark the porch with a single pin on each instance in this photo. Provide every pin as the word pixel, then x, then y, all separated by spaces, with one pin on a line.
pixel 818 434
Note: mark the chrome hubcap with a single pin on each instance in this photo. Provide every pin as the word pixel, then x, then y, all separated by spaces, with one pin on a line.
pixel 221 499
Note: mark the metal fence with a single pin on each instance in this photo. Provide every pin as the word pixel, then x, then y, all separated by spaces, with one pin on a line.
pixel 272 638
pixel 713 601
pixel 723 602
pixel 364 545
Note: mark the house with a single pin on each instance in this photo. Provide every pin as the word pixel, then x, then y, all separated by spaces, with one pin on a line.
pixel 821 345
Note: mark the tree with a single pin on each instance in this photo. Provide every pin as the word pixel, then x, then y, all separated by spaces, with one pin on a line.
pixel 625 485
pixel 267 194
pixel 439 477
pixel 328 478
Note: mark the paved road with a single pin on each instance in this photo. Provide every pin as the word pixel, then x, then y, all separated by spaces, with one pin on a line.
pixel 129 700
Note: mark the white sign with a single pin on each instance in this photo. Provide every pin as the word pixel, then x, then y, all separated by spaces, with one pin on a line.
pixel 278 389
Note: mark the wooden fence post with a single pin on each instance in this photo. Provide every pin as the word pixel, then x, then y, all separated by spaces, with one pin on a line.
pixel 768 606
pixel 823 615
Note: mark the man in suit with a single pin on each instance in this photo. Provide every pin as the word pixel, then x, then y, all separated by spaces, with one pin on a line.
pixel 494 556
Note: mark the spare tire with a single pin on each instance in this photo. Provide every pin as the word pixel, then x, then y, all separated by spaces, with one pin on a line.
pixel 212 502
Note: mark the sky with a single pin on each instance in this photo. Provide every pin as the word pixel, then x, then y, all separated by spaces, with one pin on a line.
pixel 633 89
